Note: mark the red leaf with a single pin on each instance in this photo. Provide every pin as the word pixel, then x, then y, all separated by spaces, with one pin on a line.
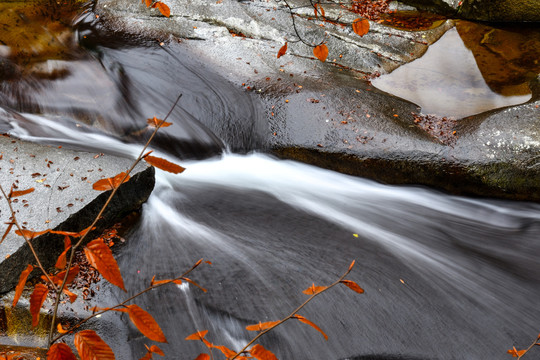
pixel 29 234
pixel 260 353
pixel 163 8
pixel 203 357
pixel 61 261
pixel 155 122
pixel 225 350
pixel 353 286
pixel 282 51
pixel 91 347
pixel 13 194
pixel 360 26
pixel 321 52
pixel 262 326
pixel 145 323
pixel 110 183
pixel 314 289
pixel 36 301
pixel 306 321
pixel 199 335
pixel 20 284
pixel 100 256
pixel 164 164
pixel 60 351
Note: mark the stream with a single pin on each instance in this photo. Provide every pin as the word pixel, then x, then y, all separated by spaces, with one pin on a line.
pixel 445 277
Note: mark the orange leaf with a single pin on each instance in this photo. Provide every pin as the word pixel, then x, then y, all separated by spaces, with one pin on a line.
pixel 13 194
pixel 155 122
pixel 156 350
pixel 148 2
pixel 100 256
pixel 10 225
pixel 282 51
pixel 110 183
pixel 91 347
pixel 225 350
pixel 29 234
pixel 360 26
pixel 147 356
pixel 321 52
pixel 353 286
pixel 61 329
pixel 262 326
pixel 72 234
pixel 516 353
pixel 60 351
pixel 306 321
pixel 352 265
pixel 163 8
pixel 164 164
pixel 72 296
pixel 260 353
pixel 145 323
pixel 61 261
pixel 199 335
pixel 36 301
pixel 203 357
pixel 20 284
pixel 194 283
pixel 58 278
pixel 314 289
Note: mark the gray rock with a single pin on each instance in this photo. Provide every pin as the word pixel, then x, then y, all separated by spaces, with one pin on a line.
pixel 63 198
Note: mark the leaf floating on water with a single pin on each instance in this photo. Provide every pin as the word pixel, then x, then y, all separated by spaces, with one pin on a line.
pixel 282 51
pixel 21 283
pixel 17 193
pixel 164 164
pixel 100 256
pixel 353 286
pixel 91 347
pixel 321 52
pixel 355 235
pixel 360 26
pixel 36 301
pixel 260 353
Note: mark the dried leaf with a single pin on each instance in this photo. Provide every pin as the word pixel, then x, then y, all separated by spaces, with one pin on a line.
pixel 36 301
pixel 72 296
pixel 306 321
pixel 60 351
pixel 516 353
pixel 163 8
pixel 100 256
pixel 314 289
pixel 61 329
pixel 194 283
pixel 147 356
pixel 262 326
pixel 353 286
pixel 20 284
pixel 29 234
pixel 17 193
pixel 199 335
pixel 145 323
pixel 156 350
pixel 282 50
pixel 58 278
pixel 61 261
pixel 203 356
pixel 91 347
pixel 318 9
pixel 360 26
pixel 110 183
pixel 148 2
pixel 155 122
pixel 164 164
pixel 260 353
pixel 72 234
pixel 321 52
pixel 225 350
pixel 352 265
pixel 10 225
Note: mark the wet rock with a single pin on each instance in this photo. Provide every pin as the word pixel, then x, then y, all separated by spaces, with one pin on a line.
pixel 63 198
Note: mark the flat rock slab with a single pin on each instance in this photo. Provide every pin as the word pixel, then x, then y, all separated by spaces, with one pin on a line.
pixel 63 198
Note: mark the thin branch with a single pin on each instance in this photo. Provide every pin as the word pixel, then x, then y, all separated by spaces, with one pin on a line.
pixel 99 215
pixel 151 287
pixel 291 315
pixel 28 241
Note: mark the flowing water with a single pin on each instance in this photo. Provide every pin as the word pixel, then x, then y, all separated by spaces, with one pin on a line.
pixel 445 277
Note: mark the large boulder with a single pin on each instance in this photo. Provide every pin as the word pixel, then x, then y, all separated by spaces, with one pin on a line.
pixel 63 198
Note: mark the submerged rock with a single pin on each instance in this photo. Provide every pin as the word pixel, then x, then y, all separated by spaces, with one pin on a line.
pixel 63 198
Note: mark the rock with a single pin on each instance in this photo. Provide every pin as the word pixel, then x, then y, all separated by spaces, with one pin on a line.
pixel 63 198
pixel 483 10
